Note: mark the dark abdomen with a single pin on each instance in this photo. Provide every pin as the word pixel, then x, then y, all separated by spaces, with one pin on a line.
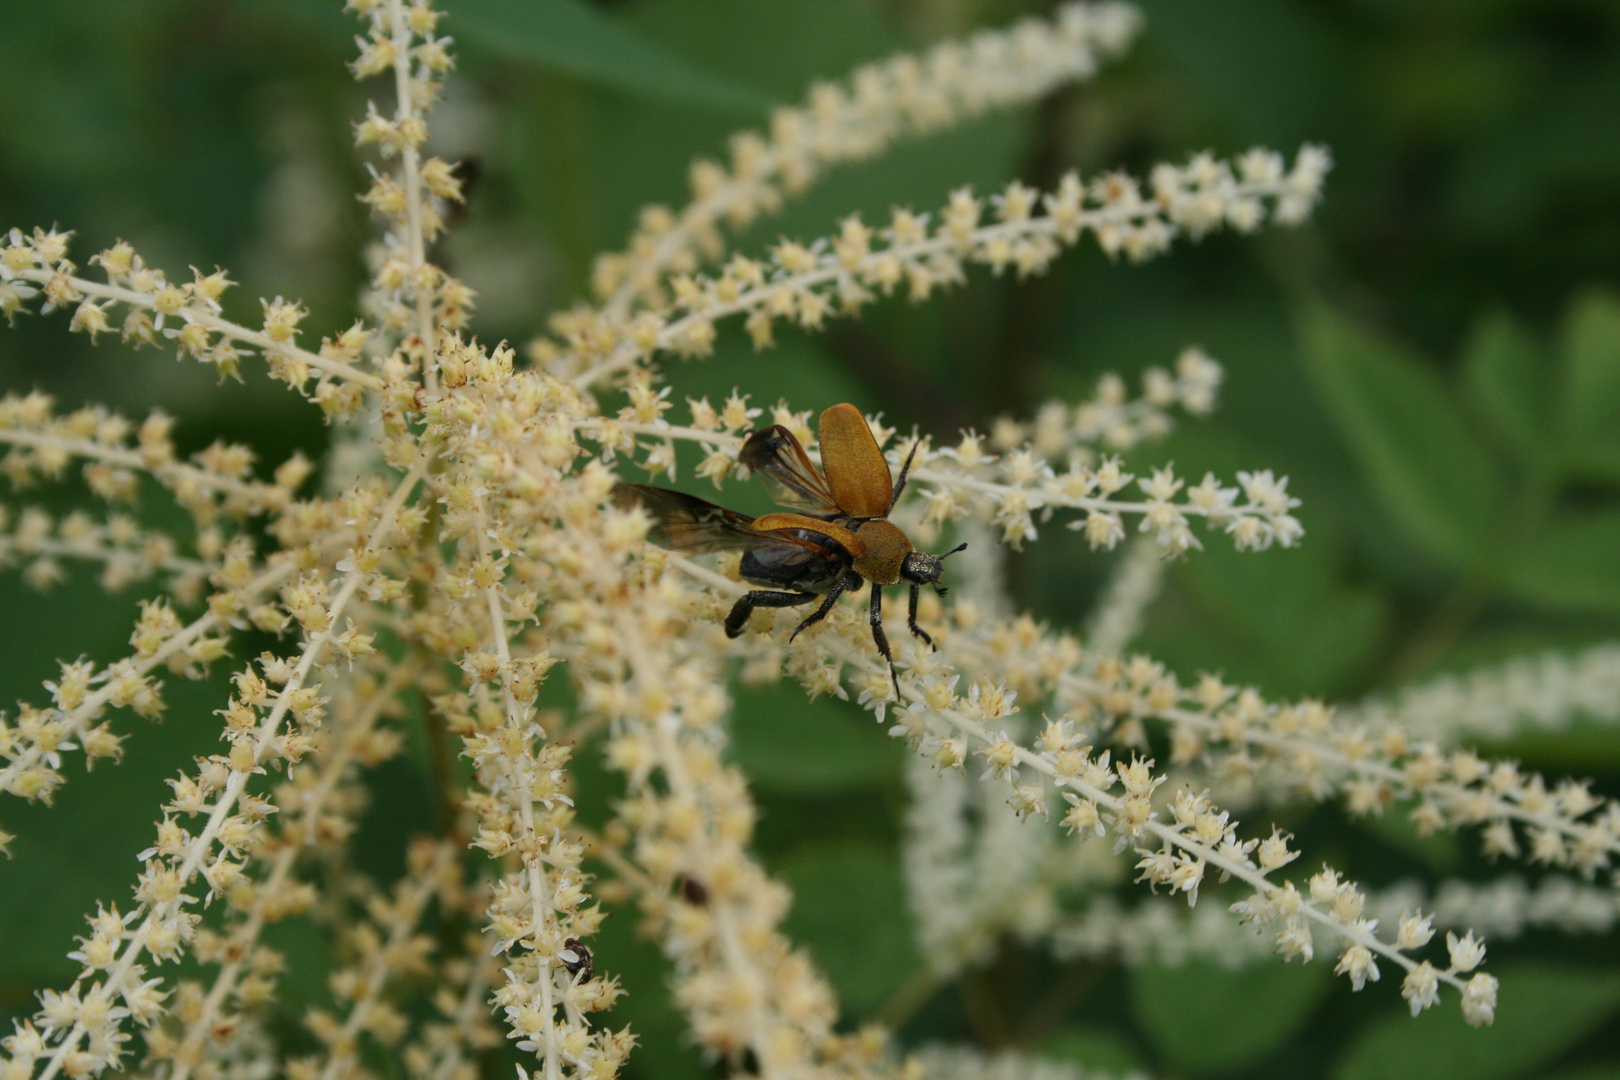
pixel 789 566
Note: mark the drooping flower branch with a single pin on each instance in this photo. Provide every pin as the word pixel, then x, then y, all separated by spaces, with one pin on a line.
pixel 808 284
pixel 1107 797
pixel 882 102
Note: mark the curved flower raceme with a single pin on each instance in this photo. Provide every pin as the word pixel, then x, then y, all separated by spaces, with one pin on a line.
pixel 882 102
pixel 1176 850
pixel 919 254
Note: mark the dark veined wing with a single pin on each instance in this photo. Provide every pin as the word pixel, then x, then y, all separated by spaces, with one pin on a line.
pixel 789 474
pixel 696 526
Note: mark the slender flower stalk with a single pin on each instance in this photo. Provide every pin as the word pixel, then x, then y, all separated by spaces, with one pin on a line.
pixel 80 1029
pixel 150 301
pixel 1108 797
pixel 312 813
pixel 1541 693
pixel 127 553
pixel 1160 931
pixel 391 944
pixel 882 103
pixel 808 284
pixel 33 746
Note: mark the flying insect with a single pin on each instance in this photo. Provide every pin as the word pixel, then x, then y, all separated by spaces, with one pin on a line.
pixel 837 539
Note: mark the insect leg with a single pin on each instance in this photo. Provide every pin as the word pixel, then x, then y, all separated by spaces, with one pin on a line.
pixel 911 619
pixel 904 469
pixel 746 604
pixel 826 605
pixel 880 638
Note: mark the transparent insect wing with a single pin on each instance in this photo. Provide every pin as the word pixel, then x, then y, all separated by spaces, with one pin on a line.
pixel 787 471
pixel 686 523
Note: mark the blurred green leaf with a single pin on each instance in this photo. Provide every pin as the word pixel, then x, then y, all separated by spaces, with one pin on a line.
pixel 664 1049
pixel 1431 474
pixel 1573 563
pixel 1440 850
pixel 788 744
pixel 1294 621
pixel 779 46
pixel 1591 355
pixel 1097 1050
pixel 576 39
pixel 1592 1072
pixel 850 908
pixel 1207 1018
pixel 1584 747
pixel 1544 1010
pixel 1506 379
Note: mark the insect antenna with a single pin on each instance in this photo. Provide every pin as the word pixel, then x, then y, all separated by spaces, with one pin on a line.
pixel 941 590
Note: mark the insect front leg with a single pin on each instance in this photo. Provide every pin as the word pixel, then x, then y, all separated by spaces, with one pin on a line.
pixel 876 618
pixel 911 619
pixel 826 605
pixel 746 604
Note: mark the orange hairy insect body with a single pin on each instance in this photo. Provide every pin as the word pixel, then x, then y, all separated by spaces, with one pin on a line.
pixel 842 541
pixel 886 548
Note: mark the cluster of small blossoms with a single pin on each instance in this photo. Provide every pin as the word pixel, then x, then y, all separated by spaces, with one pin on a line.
pixel 974 872
pixel 518 512
pixel 388 945
pixel 318 808
pixel 1158 931
pixel 1238 740
pixel 126 552
pixel 1176 850
pixel 501 552
pixel 32 746
pixel 80 1031
pixel 215 483
pixel 411 300
pixel 882 103
pixel 1015 489
pixel 1111 418
pixel 551 550
pixel 1541 693
pixel 743 986
pixel 967 480
pixel 448 1046
pixel 187 315
pixel 1308 750
pixel 1508 907
pixel 1566 826
pixel 1303 749
pixel 917 254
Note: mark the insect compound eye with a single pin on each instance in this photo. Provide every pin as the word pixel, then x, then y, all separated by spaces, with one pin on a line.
pixel 576 960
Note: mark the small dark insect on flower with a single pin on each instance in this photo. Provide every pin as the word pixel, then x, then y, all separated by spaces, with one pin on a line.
pixel 576 960
pixel 842 539
pixel 693 892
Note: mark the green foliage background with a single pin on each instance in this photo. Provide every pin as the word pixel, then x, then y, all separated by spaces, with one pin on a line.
pixel 1435 361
